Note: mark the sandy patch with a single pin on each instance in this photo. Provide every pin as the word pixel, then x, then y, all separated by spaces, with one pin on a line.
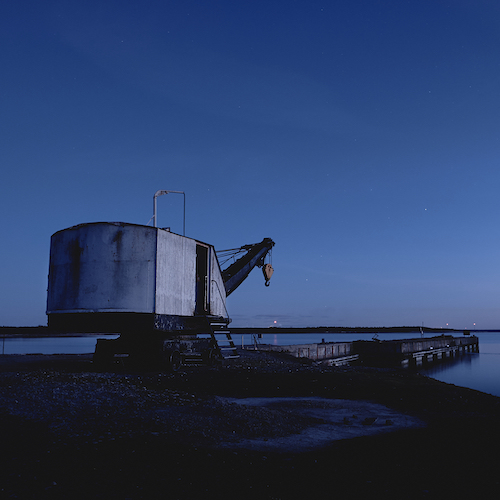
pixel 342 419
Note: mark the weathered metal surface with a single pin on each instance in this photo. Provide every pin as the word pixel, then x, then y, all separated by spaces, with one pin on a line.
pixel 175 274
pixel 116 269
pixel 102 267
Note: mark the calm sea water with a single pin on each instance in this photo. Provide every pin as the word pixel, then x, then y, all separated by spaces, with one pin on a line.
pixel 51 345
pixel 480 371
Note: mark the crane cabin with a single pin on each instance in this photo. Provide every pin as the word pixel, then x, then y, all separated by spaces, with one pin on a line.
pixel 146 283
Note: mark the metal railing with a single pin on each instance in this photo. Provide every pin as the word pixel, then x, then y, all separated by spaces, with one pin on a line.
pixel 222 298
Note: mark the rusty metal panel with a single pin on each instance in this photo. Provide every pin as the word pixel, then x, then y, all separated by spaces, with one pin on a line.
pixel 101 267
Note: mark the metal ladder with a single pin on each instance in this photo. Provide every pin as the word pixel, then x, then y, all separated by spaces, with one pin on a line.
pixel 224 346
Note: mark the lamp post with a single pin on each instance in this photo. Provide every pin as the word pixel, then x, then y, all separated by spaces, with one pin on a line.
pixel 161 192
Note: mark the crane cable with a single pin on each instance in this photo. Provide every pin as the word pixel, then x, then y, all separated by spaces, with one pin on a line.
pixel 226 255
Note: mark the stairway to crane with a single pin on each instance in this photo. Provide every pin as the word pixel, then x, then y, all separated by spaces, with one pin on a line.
pixel 221 337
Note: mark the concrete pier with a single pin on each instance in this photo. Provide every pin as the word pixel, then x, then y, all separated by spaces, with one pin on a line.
pixel 459 347
pixel 331 353
pixel 406 352
pixel 414 351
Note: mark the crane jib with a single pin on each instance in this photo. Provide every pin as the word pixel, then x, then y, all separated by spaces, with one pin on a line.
pixel 237 272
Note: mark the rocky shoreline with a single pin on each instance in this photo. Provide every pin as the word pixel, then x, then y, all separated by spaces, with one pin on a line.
pixel 70 430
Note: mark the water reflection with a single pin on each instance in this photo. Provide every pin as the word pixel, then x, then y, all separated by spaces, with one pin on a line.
pixel 476 371
pixel 479 371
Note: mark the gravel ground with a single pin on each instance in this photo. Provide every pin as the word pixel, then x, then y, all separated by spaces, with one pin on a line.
pixel 93 407
pixel 68 430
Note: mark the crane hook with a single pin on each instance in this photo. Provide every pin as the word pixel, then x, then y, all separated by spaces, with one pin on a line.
pixel 267 270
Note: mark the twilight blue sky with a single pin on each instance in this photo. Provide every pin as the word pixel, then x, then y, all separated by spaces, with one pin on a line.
pixel 361 135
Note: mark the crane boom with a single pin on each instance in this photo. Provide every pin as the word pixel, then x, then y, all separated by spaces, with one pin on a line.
pixel 236 273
